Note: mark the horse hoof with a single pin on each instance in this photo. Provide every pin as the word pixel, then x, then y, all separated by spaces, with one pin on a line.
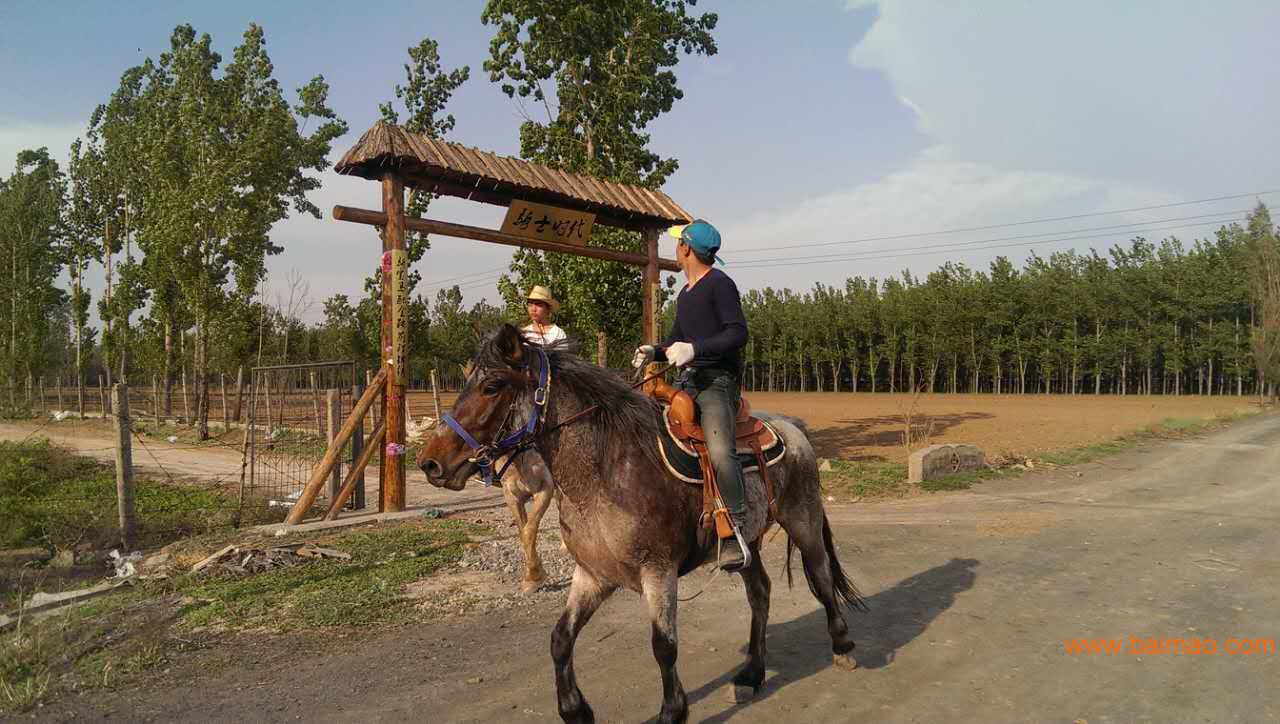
pixel 527 587
pixel 844 661
pixel 741 693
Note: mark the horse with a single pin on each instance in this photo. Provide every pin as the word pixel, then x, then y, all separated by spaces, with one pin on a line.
pixel 625 520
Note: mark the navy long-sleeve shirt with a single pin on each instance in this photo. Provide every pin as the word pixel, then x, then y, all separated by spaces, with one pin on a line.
pixel 710 317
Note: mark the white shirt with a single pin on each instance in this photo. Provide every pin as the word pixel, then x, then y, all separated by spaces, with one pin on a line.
pixel 551 334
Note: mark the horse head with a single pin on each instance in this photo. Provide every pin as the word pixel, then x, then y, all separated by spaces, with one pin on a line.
pixel 495 399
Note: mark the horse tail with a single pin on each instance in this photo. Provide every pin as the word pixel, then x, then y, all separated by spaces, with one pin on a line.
pixel 841 584
pixel 844 587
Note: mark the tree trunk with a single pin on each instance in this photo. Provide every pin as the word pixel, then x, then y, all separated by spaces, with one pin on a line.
pixel 202 378
pixel 168 368
pixel 602 348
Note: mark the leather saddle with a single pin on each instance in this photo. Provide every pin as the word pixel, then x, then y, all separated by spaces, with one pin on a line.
pixel 752 438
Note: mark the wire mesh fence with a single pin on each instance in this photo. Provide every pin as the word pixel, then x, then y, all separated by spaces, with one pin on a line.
pixel 293 412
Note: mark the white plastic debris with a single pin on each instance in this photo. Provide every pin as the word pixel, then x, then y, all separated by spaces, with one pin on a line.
pixel 124 565
pixel 60 415
pixel 172 438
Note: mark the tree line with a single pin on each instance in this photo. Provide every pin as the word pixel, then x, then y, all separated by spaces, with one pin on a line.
pixel 1143 318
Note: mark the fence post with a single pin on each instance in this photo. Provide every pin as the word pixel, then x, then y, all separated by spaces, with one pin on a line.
pixel 315 399
pixel 239 391
pixel 40 388
pixel 435 393
pixel 102 393
pixel 124 465
pixel 357 447
pixel 334 410
pixel 155 399
pixel 61 405
pixel 222 389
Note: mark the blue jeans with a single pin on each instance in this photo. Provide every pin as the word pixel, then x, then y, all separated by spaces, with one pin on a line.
pixel 717 394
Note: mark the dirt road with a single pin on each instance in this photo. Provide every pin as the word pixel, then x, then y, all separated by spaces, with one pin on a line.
pixel 972 597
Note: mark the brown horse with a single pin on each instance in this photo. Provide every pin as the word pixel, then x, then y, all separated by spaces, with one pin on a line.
pixel 625 519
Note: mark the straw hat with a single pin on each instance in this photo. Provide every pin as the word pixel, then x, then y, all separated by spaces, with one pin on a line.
pixel 542 294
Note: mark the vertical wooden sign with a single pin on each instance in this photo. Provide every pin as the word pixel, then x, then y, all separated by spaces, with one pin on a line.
pixel 400 314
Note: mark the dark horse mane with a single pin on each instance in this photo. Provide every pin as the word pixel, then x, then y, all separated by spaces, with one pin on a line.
pixel 622 415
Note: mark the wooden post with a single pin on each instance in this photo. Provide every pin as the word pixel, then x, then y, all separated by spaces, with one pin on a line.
pixel 61 404
pixel 393 304
pixel 222 390
pixel 155 399
pixel 321 472
pixel 124 466
pixel 102 394
pixel 602 349
pixel 40 389
pixel 649 326
pixel 357 450
pixel 262 383
pixel 186 399
pixel 315 400
pixel 435 393
pixel 356 474
pixel 333 409
pixel 239 390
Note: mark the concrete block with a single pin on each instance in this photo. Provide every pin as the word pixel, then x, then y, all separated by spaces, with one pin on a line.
pixel 937 461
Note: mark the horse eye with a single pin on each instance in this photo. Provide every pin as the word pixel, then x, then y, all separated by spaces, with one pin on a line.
pixel 492 388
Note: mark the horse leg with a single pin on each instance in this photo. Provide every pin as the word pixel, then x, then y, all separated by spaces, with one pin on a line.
pixel 812 536
pixel 585 596
pixel 515 495
pixel 534 574
pixel 660 589
pixel 747 682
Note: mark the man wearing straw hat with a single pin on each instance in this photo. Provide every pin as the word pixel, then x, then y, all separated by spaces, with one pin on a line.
pixel 706 343
pixel 541 330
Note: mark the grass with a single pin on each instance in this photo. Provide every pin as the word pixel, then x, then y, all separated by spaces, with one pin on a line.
pixel 851 481
pixel 58 500
pixel 364 590
pixel 110 641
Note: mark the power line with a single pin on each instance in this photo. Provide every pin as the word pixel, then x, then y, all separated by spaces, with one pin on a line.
pixel 1220 217
pixel 867 256
pixel 1045 220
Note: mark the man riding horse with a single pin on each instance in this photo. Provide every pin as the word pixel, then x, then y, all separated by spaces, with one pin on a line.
pixel 706 343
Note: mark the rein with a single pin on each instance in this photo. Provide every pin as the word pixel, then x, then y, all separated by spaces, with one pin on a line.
pixel 523 439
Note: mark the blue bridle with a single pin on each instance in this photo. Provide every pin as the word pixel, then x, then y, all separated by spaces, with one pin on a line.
pixel 518 441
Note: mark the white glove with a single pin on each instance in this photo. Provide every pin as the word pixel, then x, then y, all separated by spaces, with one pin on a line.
pixel 680 353
pixel 644 355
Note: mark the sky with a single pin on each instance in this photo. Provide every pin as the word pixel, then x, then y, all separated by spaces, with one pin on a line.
pixel 825 140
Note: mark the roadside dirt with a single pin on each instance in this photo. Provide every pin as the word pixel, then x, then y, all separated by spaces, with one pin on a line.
pixel 972 596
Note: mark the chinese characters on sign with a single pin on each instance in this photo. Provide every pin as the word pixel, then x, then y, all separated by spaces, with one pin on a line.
pixel 399 316
pixel 549 223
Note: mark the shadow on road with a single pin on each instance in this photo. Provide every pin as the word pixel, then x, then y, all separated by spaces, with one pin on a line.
pixel 801 648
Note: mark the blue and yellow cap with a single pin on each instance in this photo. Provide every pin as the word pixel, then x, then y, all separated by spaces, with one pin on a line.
pixel 701 236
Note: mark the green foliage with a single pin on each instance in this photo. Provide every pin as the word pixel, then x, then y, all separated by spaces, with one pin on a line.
pixel 52 498
pixel 32 204
pixel 609 67
pixel 1150 318
pixel 366 589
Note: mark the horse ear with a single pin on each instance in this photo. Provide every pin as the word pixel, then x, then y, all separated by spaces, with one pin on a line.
pixel 511 344
pixel 466 369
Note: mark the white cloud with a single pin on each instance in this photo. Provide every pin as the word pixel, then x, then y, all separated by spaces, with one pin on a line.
pixel 1173 94
pixel 15 137
pixel 1039 110
pixel 934 191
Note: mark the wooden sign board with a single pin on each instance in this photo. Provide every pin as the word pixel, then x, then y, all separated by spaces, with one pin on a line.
pixel 549 223
pixel 400 315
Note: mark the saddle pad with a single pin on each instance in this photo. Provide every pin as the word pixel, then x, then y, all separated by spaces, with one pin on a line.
pixel 683 462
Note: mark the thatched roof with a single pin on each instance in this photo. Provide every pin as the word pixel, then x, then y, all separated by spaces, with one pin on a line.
pixel 456 170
